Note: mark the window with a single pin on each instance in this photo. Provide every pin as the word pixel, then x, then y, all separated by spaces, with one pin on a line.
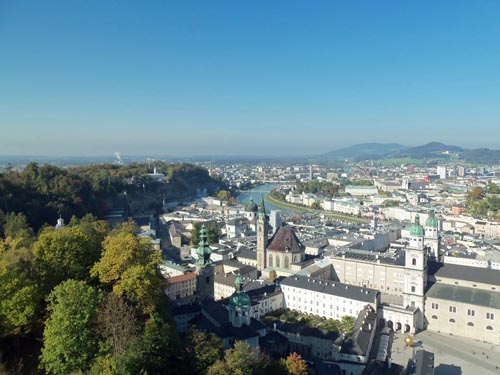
pixel 489 328
pixel 490 316
pixel 414 262
pixel 413 289
pixel 470 324
pixel 471 312
pixel 452 320
pixel 452 309
pixel 434 306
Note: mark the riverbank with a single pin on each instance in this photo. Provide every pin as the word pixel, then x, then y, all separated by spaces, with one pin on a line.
pixel 291 206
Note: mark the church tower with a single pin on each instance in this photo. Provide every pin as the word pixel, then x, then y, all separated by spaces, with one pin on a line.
pixel 204 268
pixel 262 230
pixel 239 305
pixel 432 235
pixel 415 271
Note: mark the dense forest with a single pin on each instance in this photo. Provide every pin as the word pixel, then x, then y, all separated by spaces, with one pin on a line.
pixel 44 192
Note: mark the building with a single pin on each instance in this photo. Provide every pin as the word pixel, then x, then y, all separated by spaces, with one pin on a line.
pixel 332 300
pixel 181 286
pixel 204 268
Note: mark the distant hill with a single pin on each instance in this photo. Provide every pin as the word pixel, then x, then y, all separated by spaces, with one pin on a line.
pixel 432 150
pixel 429 150
pixel 365 151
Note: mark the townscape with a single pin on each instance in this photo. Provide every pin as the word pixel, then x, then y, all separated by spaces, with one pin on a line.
pixel 347 264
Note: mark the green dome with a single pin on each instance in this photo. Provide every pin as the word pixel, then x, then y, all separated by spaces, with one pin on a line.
pixel 431 220
pixel 416 229
pixel 251 206
pixel 204 251
pixel 239 299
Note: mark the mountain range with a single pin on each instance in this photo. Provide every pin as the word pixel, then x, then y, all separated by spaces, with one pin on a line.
pixel 432 150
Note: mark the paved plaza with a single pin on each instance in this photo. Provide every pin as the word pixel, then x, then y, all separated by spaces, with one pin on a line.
pixel 453 355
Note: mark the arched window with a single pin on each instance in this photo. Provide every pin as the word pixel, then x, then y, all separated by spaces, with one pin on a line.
pixel 489 328
pixel 277 261
pixel 287 263
pixel 452 320
pixel 270 261
pixel 470 324
pixel 414 262
pixel 434 317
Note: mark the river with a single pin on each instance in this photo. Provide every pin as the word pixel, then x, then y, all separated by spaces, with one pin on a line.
pixel 262 190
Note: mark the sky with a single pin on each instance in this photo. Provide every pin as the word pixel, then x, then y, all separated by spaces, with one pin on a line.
pixel 95 77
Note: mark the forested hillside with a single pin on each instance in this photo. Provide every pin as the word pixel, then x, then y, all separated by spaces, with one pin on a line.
pixel 44 192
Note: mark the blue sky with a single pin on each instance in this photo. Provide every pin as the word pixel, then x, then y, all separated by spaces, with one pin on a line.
pixel 92 77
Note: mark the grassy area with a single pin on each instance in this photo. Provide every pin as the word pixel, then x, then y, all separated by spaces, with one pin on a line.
pixel 345 325
pixel 294 207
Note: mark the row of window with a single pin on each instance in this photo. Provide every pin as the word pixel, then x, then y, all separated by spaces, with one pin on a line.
pixel 470 324
pixel 470 312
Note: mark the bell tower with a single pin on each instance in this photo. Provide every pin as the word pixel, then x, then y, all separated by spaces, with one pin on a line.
pixel 204 268
pixel 262 230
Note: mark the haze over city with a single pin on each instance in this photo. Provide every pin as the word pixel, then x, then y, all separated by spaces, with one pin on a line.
pixel 255 78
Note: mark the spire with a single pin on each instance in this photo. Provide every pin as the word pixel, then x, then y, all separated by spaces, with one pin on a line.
pixel 262 207
pixel 239 283
pixel 416 229
pixel 203 249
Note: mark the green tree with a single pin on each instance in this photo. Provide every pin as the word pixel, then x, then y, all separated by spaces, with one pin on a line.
pixel 224 195
pixel 294 364
pixel 17 228
pixel 316 205
pixel 213 232
pixel 21 294
pixel 492 188
pixel 195 233
pixel 242 359
pixel 129 266
pixel 2 223
pixel 69 338
pixel 67 253
pixel 204 349
pixel 347 324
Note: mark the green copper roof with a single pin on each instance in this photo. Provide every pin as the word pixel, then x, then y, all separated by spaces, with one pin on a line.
pixel 262 208
pixel 203 249
pixel 416 229
pixel 239 299
pixel 431 220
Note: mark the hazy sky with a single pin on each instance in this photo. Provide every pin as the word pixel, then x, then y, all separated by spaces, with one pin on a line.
pixel 246 77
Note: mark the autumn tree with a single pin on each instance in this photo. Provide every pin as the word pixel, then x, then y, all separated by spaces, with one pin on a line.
pixel 294 364
pixel 16 228
pixel 129 266
pixel 69 338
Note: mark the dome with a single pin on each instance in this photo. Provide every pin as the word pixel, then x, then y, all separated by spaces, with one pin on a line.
pixel 416 229
pixel 431 220
pixel 240 300
pixel 251 206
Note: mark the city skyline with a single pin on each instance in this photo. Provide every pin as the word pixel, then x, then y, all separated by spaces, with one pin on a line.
pixel 93 78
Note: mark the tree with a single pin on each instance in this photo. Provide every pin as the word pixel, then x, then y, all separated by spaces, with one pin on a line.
pixel 204 349
pixel 21 294
pixel 69 339
pixel 16 227
pixel 213 232
pixel 67 253
pixel 347 324
pixel 117 323
pixel 129 266
pixel 2 223
pixel 195 233
pixel 224 195
pixel 242 359
pixel 294 364
pixel 476 193
pixel 316 205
